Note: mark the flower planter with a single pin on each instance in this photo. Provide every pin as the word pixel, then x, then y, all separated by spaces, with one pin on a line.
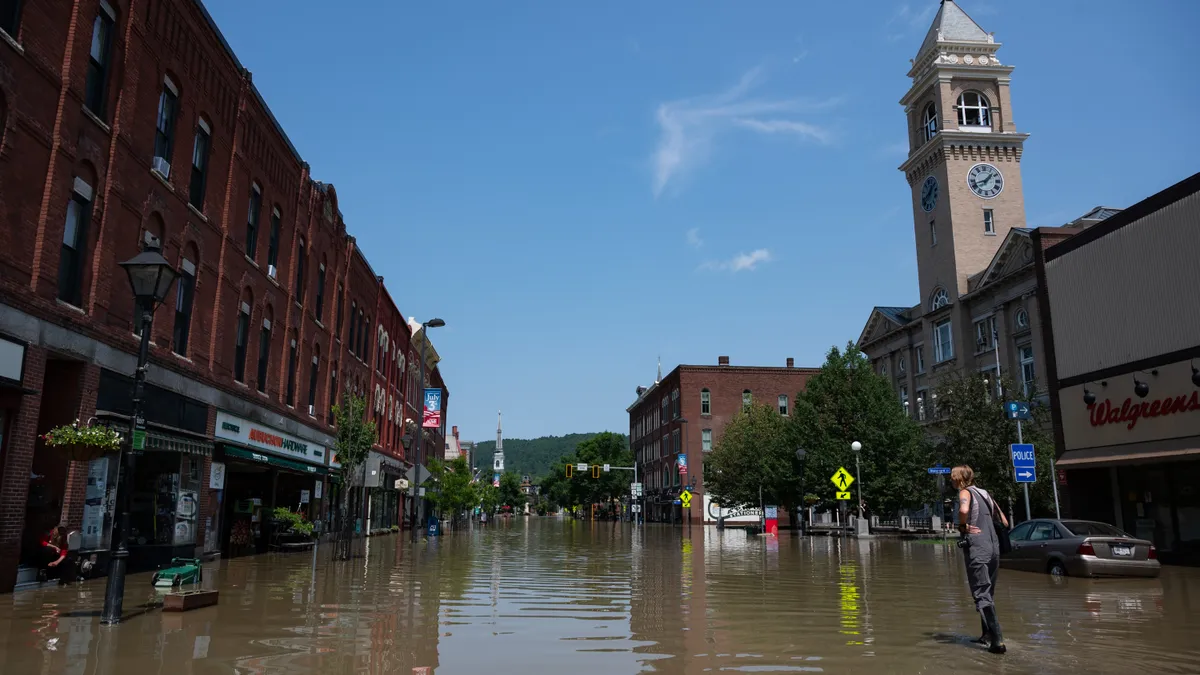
pixel 84 453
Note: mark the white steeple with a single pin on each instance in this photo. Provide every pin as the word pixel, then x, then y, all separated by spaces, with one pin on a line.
pixel 498 455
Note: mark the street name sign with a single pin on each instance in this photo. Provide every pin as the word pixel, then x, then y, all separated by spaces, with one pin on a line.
pixel 1024 462
pixel 581 467
pixel 842 479
pixel 1017 410
pixel 939 470
pixel 606 466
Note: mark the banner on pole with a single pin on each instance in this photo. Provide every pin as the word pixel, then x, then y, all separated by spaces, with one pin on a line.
pixel 432 418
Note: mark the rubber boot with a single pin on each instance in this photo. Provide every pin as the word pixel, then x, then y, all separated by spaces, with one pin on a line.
pixel 993 624
pixel 984 634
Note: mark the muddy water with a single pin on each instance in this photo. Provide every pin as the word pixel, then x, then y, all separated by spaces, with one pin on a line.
pixel 551 596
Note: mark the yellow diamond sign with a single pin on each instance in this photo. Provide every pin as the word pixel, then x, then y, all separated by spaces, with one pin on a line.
pixel 685 499
pixel 842 479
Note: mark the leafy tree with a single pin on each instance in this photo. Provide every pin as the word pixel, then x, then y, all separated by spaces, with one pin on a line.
pixel 510 490
pixel 533 457
pixel 754 461
pixel 848 401
pixel 453 492
pixel 582 488
pixel 975 431
pixel 355 436
pixel 489 497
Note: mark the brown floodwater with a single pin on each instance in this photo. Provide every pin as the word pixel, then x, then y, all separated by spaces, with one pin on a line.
pixel 545 595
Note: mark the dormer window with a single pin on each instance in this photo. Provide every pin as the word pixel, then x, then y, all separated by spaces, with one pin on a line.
pixel 930 122
pixel 973 110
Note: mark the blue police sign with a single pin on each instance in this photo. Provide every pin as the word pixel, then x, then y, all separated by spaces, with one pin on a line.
pixel 1017 410
pixel 1024 462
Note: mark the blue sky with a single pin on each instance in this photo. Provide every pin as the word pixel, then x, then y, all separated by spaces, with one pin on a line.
pixel 578 188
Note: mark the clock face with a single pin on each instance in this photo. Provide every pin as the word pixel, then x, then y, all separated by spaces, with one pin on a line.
pixel 985 180
pixel 929 194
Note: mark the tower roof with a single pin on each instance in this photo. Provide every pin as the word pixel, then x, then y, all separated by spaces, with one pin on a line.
pixel 951 24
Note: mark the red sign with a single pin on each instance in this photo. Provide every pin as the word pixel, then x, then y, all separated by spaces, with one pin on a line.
pixel 1106 412
pixel 1062 476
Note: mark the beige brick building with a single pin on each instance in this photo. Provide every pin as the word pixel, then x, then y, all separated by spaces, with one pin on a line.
pixel 978 307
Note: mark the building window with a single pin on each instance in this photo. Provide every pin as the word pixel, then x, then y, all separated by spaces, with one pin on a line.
pixel 1028 374
pixel 273 244
pixel 252 214
pixel 291 375
pixel 1021 318
pixel 883 368
pixel 264 354
pixel 920 353
pixel 901 365
pixel 666 415
pixel 706 440
pixel 337 331
pixel 943 341
pixel 321 292
pixel 164 130
pixel 366 340
pixel 199 181
pixel 747 399
pixel 675 404
pixel 98 60
pixel 185 290
pixel 939 299
pixel 332 391
pixel 705 402
pixel 74 244
pixel 312 380
pixel 783 405
pixel 973 110
pixel 10 17
pixel 904 400
pixel 930 122
pixel 921 412
pixel 985 334
pixel 353 322
pixel 356 347
pixel 933 233
pixel 989 223
pixel 300 254
pixel 239 351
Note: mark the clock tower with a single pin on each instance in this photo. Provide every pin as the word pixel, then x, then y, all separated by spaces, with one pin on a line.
pixel 964 160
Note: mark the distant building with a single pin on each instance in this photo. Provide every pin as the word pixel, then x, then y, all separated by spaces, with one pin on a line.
pixel 685 413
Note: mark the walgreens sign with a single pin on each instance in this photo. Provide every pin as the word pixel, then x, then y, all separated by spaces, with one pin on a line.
pixel 1170 410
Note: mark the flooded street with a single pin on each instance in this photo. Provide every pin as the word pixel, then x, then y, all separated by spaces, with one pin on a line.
pixel 553 596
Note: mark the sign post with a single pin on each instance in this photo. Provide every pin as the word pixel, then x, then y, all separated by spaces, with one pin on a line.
pixel 1020 411
pixel 1024 469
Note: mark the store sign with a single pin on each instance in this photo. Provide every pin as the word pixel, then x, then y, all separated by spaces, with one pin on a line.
pixel 1171 409
pixel 433 409
pixel 257 436
pixel 713 511
pixel 216 476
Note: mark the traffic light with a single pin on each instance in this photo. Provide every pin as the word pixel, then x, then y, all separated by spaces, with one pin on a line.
pixel 569 467
pixel 595 471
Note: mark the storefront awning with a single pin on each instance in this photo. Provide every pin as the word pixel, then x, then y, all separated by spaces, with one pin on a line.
pixel 160 442
pixel 1090 458
pixel 264 458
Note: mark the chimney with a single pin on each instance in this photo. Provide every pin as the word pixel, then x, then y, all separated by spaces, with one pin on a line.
pixel 722 360
pixel 791 362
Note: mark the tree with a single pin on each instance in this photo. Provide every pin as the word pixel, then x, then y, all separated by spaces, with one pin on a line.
pixel 510 490
pixel 848 401
pixel 975 431
pixel 356 435
pixel 754 461
pixel 452 490
pixel 489 497
pixel 582 488
pixel 533 457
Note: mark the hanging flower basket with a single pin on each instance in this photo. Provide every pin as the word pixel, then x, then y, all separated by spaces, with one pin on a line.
pixel 83 443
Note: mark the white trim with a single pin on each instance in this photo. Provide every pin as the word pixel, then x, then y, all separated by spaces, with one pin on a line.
pixel 316 359
pixel 275 212
pixel 169 84
pixel 83 189
pixel 255 187
pixel 267 324
pixel 201 123
pixel 108 10
pixel 188 266
pixel 245 308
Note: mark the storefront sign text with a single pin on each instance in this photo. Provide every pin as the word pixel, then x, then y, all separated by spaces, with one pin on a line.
pixel 275 442
pixel 1107 412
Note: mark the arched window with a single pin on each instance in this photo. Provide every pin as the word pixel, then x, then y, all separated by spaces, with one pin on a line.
pixel 1022 318
pixel 930 123
pixel 198 182
pixel 939 299
pixel 705 402
pixel 747 399
pixel 74 251
pixel 973 110
pixel 313 376
pixel 185 291
pixel 242 337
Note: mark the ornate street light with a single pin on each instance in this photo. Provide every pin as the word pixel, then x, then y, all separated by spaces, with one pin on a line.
pixel 857 448
pixel 150 278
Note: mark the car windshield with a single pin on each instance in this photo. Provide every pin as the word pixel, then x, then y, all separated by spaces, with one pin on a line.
pixel 1085 529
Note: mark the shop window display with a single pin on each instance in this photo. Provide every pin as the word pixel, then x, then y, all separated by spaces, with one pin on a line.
pixel 166 501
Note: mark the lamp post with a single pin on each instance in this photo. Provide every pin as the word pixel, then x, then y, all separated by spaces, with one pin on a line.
pixel 432 323
pixel 802 455
pixel 150 277
pixel 857 448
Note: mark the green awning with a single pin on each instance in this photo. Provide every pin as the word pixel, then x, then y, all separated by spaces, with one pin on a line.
pixel 265 458
pixel 156 440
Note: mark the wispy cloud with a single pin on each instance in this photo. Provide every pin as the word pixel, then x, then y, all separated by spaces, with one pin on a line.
pixel 906 20
pixel 688 126
pixel 693 238
pixel 742 262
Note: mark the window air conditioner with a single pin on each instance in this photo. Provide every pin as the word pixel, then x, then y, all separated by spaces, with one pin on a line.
pixel 271 271
pixel 162 166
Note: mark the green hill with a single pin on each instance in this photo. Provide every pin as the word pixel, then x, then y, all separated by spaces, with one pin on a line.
pixel 533 456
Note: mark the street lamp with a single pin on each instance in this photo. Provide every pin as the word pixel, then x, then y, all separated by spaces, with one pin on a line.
pixel 857 448
pixel 432 323
pixel 150 277
pixel 802 455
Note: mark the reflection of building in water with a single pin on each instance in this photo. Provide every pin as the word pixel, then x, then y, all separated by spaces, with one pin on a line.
pixel 655 608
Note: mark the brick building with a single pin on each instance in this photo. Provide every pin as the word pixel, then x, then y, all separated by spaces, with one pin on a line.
pixel 684 413
pixel 123 124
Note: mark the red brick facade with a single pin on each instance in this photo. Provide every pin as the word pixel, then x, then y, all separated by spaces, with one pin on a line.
pixel 66 150
pixel 658 433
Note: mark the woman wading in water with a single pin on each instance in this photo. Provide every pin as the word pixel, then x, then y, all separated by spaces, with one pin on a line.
pixel 977 517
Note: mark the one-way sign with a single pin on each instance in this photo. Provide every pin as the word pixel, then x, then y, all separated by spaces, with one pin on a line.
pixel 1024 462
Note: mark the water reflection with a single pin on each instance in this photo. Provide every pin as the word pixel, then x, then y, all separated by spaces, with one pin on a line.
pixel 560 596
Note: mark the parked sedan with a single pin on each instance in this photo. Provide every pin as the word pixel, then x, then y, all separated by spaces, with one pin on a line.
pixel 1080 548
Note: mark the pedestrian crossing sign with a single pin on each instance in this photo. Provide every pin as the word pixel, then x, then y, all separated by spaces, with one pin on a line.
pixel 843 496
pixel 842 479
pixel 685 499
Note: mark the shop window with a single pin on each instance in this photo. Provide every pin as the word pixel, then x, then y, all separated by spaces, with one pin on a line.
pixel 239 352
pixel 291 375
pixel 165 502
pixel 185 290
pixel 74 244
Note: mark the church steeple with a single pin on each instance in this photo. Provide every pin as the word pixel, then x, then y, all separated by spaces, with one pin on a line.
pixel 951 24
pixel 498 454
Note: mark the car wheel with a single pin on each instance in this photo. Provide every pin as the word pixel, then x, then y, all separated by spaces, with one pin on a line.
pixel 1057 569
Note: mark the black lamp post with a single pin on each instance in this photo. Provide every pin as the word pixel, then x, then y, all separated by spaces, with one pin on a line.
pixel 420 438
pixel 150 277
pixel 802 455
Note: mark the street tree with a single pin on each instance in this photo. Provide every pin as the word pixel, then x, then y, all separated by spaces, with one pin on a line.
pixel 606 448
pixel 452 491
pixel 510 490
pixel 974 430
pixel 489 497
pixel 848 401
pixel 355 436
pixel 754 462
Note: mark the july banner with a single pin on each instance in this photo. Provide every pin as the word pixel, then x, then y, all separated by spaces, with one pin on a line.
pixel 433 409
